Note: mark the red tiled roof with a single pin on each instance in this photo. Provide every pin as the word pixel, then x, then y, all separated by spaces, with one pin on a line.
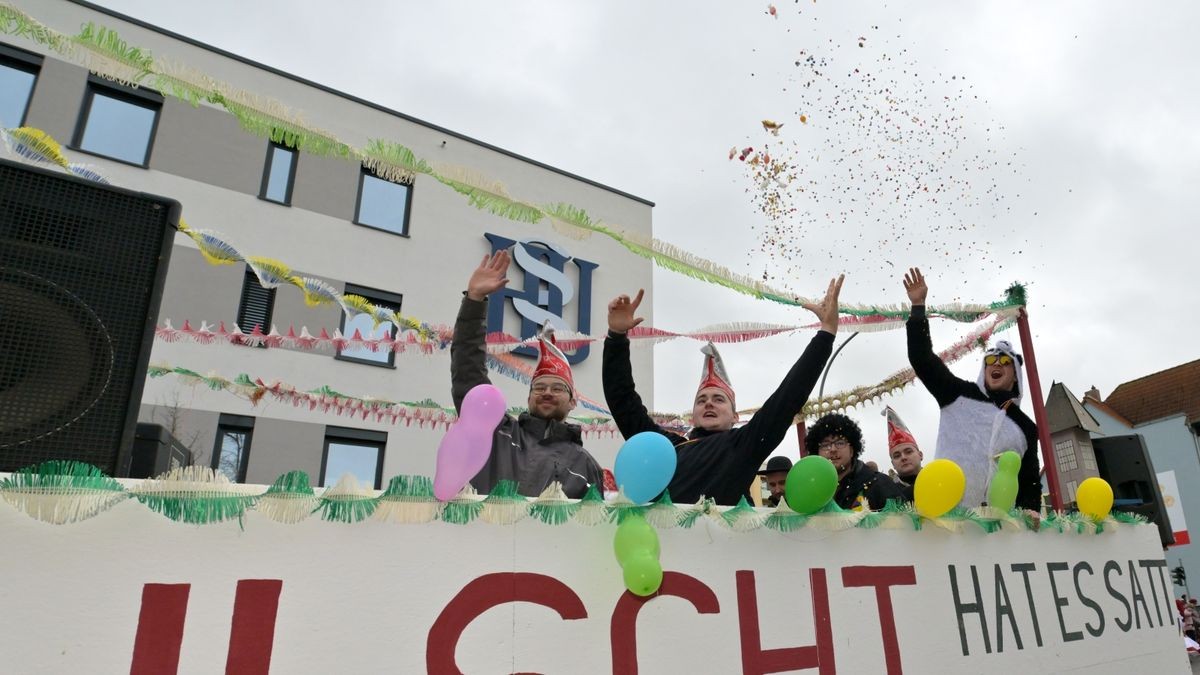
pixel 1165 393
pixel 1106 409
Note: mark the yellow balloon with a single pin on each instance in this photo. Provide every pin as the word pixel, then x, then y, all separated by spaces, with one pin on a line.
pixel 1094 498
pixel 939 488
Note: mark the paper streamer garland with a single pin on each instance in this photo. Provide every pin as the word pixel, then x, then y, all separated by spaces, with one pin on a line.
pixel 328 399
pixel 62 492
pixel 102 51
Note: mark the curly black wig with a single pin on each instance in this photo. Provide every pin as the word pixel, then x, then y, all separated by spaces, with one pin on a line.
pixel 834 424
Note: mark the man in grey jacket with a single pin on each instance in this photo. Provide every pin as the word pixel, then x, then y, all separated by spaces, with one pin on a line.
pixel 539 446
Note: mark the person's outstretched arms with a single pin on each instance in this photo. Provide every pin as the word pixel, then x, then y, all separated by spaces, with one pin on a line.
pixel 468 353
pixel 767 427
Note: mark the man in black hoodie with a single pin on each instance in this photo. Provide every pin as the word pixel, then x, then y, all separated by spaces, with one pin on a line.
pixel 714 459
pixel 980 419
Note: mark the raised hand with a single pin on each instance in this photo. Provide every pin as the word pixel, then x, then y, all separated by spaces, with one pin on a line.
pixel 621 312
pixel 914 285
pixel 489 277
pixel 827 309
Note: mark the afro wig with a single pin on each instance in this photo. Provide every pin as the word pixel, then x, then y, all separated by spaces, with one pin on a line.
pixel 834 424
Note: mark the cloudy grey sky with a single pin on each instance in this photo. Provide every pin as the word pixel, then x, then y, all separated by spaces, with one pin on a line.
pixel 1073 125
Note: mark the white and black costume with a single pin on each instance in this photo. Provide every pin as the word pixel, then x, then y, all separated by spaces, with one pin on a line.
pixel 977 424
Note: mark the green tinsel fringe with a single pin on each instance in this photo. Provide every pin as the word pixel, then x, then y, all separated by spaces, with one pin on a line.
pixel 408 499
pixel 495 204
pixel 783 519
pixel 894 508
pixel 505 505
pixel 1128 518
pixel 289 500
pixel 346 508
pixel 693 513
pixel 552 507
pixel 663 514
pixel 743 517
pixel 198 509
pixel 347 502
pixel 461 511
pixel 61 492
pixel 592 509
pixel 553 512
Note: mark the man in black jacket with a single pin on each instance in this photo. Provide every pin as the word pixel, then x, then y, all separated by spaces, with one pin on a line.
pixel 539 446
pixel 714 459
pixel 838 439
pixel 980 419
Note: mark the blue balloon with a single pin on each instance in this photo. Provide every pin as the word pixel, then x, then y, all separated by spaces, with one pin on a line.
pixel 644 466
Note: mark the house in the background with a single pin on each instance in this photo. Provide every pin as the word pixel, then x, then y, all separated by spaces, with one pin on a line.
pixel 1164 408
pixel 1071 427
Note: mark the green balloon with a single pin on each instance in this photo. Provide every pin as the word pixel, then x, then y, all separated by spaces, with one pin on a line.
pixel 643 574
pixel 810 484
pixel 635 535
pixel 1002 491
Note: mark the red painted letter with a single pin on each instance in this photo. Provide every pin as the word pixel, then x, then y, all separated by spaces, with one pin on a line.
pixel 758 661
pixel 159 629
pixel 883 578
pixel 623 630
pixel 252 631
pixel 484 593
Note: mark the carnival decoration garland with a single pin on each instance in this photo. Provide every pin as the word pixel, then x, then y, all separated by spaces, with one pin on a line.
pixel 102 51
pixel 63 492
pixel 327 399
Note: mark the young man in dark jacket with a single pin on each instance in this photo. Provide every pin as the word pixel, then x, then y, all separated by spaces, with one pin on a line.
pixel 979 419
pixel 539 446
pixel 838 439
pixel 714 459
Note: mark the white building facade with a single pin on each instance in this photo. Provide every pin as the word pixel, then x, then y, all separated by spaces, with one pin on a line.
pixel 409 246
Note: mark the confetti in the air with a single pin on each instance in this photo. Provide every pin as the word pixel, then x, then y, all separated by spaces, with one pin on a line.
pixel 898 163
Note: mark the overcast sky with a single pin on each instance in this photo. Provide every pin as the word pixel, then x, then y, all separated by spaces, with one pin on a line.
pixel 1063 135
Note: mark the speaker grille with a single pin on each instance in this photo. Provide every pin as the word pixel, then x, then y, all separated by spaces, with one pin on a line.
pixel 81 271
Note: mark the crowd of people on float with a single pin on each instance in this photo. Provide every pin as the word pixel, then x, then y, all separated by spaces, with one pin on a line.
pixel 720 457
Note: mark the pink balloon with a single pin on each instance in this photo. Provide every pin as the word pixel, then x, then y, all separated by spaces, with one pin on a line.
pixel 467 445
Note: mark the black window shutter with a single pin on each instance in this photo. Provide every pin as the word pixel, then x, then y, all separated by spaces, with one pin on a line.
pixel 256 305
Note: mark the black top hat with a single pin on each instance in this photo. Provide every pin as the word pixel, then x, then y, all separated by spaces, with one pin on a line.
pixel 776 464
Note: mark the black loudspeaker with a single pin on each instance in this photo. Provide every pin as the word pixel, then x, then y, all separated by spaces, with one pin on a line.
pixel 156 451
pixel 1124 462
pixel 81 276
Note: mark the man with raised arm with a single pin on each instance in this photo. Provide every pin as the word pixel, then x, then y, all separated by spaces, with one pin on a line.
pixel 980 419
pixel 540 446
pixel 714 459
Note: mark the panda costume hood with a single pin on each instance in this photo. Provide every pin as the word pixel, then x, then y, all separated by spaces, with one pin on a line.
pixel 1005 348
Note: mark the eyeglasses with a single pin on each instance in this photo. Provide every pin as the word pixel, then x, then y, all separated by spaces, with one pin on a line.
pixel 557 389
pixel 993 359
pixel 840 444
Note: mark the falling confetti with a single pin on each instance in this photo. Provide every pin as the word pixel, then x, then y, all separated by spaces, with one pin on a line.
pixel 904 162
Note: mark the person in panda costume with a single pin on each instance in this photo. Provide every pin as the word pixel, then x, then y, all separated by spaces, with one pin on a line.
pixel 979 419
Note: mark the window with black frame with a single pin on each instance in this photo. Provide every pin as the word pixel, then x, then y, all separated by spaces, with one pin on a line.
pixel 231 452
pixel 358 452
pixel 367 328
pixel 279 174
pixel 383 204
pixel 118 122
pixel 18 75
